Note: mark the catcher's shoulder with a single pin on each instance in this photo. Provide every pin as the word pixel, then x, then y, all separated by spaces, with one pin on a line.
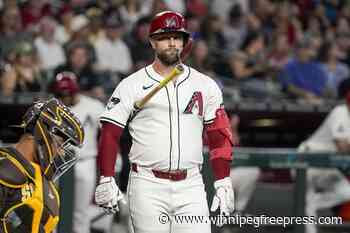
pixel 12 172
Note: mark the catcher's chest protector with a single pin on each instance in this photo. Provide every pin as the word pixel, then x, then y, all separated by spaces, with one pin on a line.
pixel 29 203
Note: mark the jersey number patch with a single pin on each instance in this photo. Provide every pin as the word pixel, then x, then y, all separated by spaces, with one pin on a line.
pixel 27 191
pixel 196 102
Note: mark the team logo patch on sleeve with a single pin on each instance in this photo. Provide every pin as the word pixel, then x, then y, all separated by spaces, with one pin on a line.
pixel 113 102
pixel 196 102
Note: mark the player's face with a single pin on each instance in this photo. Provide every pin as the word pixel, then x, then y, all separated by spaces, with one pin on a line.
pixel 168 47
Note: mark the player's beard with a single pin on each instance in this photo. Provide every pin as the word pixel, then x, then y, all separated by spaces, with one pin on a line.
pixel 169 57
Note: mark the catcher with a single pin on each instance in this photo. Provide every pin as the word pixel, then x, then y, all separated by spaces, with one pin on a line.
pixel 29 201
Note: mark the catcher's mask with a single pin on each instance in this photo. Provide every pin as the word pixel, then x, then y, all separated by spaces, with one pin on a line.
pixel 57 132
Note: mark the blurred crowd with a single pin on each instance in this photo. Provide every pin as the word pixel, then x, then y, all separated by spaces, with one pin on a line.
pixel 257 48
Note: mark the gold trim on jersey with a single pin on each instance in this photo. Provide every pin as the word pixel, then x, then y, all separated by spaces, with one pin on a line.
pixel 32 196
pixel 7 212
pixel 19 166
pixel 11 185
pixel 51 223
pixel 35 201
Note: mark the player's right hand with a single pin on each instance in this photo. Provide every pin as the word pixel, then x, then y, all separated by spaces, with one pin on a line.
pixel 108 195
pixel 224 198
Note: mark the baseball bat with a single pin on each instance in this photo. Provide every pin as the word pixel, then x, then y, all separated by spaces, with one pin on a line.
pixel 178 69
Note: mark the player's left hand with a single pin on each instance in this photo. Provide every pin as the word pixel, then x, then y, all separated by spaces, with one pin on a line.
pixel 224 197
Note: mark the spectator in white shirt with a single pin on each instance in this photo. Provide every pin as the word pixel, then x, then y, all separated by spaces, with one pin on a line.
pixel 113 55
pixel 50 52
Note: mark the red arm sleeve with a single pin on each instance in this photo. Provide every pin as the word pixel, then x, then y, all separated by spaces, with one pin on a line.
pixel 219 138
pixel 220 164
pixel 108 148
pixel 220 167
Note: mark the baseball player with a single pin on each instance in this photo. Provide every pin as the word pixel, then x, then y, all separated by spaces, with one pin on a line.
pixel 28 196
pixel 166 153
pixel 66 88
pixel 328 187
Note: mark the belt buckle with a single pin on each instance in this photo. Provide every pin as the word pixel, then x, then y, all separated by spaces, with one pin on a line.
pixel 170 176
pixel 177 175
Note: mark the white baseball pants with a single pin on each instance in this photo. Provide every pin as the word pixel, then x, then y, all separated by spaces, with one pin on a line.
pixel 153 200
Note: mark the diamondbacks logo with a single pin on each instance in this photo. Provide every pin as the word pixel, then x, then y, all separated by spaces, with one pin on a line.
pixel 196 102
pixel 171 22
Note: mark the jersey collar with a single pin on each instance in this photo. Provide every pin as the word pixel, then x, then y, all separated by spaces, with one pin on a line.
pixel 152 74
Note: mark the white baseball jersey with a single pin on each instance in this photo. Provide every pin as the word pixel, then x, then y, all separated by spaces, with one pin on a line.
pixel 335 126
pixel 88 111
pixel 167 132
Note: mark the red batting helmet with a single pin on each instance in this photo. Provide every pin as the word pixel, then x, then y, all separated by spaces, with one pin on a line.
pixel 168 21
pixel 65 84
